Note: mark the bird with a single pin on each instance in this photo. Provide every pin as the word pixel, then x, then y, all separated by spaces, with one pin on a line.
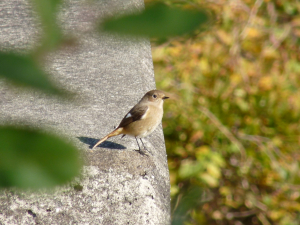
pixel 142 119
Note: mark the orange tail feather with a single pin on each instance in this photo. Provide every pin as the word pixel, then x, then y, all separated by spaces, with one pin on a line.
pixel 113 133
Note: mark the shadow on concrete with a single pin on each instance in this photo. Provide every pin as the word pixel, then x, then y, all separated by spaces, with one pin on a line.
pixel 106 144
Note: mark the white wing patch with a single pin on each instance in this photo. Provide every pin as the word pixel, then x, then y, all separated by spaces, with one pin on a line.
pixel 128 115
pixel 145 114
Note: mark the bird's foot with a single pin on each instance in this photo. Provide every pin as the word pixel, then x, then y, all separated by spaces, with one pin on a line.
pixel 143 152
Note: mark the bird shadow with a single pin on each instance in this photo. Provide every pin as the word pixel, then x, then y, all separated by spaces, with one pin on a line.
pixel 106 144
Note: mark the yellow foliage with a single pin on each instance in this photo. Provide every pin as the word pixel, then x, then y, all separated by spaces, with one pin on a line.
pixel 235 79
pixel 210 180
pixel 224 37
pixel 266 83
pixel 234 130
pixel 270 53
pixel 253 33
pixel 213 170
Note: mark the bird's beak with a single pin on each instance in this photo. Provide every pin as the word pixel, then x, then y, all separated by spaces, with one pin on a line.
pixel 165 97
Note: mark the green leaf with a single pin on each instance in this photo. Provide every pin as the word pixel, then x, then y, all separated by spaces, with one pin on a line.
pixel 191 199
pixel 47 12
pixel 33 159
pixel 23 70
pixel 158 21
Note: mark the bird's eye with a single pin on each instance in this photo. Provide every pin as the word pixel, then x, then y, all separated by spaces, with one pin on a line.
pixel 154 96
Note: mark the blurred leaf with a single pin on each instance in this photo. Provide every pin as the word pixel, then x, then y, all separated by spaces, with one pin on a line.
pixel 209 179
pixel 189 200
pixel 47 11
pixel 22 69
pixel 189 168
pixel 32 159
pixel 158 21
pixel 214 170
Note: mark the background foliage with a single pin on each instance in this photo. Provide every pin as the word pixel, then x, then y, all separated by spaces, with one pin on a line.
pixel 233 131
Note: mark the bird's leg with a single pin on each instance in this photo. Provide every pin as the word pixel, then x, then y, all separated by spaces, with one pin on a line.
pixel 138 144
pixel 145 146
pixel 140 150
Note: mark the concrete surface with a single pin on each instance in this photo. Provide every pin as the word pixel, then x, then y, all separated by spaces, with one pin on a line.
pixel 110 74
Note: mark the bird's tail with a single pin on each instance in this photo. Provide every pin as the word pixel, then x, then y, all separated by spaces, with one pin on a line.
pixel 113 133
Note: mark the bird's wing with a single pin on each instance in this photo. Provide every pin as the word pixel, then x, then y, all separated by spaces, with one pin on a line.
pixel 136 113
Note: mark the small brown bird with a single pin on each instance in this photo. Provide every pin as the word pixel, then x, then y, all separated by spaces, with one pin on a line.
pixel 142 119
